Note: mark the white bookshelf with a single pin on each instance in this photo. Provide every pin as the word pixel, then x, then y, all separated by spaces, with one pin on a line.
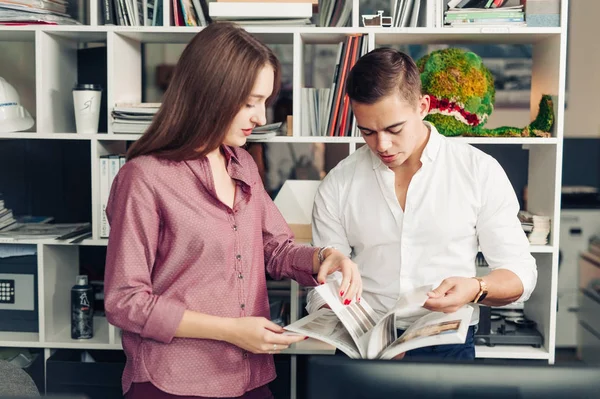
pixel 47 86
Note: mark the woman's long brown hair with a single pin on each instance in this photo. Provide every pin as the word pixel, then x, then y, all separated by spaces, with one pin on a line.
pixel 211 82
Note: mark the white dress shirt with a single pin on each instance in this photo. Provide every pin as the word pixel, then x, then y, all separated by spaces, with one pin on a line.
pixel 460 199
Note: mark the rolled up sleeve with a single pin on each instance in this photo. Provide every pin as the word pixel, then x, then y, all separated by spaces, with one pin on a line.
pixel 501 237
pixel 327 229
pixel 130 301
pixel 284 258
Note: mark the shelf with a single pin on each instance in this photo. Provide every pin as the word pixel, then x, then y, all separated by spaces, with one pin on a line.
pixel 310 347
pixel 542 249
pixel 51 241
pixel 284 35
pixel 99 341
pixel 93 35
pixel 277 139
pixel 508 140
pixel 19 339
pixel 118 137
pixel 504 35
pixel 102 242
pixel 470 140
pixel 509 35
pixel 46 136
pixel 511 352
pixel 309 139
pixel 159 34
pixel 53 65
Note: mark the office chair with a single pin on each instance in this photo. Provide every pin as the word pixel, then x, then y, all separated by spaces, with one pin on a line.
pixel 15 381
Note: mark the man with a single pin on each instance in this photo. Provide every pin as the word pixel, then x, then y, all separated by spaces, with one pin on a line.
pixel 412 206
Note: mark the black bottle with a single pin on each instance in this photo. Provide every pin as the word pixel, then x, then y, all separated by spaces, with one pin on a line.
pixel 82 309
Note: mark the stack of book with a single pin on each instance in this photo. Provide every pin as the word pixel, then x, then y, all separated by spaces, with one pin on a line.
pixel 335 13
pixel 326 112
pixel 131 12
pixel 411 13
pixel 263 12
pixel 109 168
pixel 133 117
pixel 73 232
pixel 190 13
pixel 317 103
pixel 484 13
pixel 536 227
pixel 6 216
pixel 265 132
pixel 25 12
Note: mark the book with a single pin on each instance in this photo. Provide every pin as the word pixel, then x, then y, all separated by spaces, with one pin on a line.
pixel 31 231
pixel 260 10
pixel 360 332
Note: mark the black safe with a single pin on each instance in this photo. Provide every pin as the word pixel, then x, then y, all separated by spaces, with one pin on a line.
pixel 18 294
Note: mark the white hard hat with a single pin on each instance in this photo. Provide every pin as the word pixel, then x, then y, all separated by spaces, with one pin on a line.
pixel 13 116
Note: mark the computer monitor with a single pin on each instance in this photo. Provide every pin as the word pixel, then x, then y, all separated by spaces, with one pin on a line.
pixel 339 377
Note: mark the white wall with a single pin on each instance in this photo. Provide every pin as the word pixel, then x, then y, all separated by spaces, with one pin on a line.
pixel 583 65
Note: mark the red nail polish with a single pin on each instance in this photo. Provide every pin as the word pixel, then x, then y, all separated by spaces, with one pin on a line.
pixel 322 283
pixel 305 338
pixel 346 301
pixel 358 300
pixel 341 293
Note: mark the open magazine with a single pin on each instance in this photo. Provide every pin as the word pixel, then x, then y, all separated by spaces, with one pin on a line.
pixel 360 332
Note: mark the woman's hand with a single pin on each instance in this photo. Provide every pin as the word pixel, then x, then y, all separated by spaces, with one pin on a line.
pixel 259 335
pixel 333 261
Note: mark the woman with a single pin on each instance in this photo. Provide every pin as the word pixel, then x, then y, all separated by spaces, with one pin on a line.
pixel 192 230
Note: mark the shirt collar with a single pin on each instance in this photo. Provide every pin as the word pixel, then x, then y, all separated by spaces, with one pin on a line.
pixel 433 144
pixel 429 152
pixel 230 154
pixel 235 168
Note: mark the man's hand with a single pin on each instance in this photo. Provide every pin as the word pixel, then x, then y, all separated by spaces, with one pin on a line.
pixel 452 294
pixel 351 285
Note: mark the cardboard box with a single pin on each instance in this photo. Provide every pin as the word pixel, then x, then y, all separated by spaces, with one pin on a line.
pixel 295 202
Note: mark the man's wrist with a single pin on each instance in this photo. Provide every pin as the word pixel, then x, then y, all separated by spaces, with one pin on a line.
pixel 481 289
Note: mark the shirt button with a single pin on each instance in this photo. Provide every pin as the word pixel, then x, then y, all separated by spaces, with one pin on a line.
pixel 238 256
pixel 245 355
pixel 242 306
pixel 240 275
pixel 234 227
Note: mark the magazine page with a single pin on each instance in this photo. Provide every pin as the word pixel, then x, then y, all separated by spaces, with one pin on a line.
pixel 358 317
pixel 325 326
pixel 413 301
pixel 435 328
pixel 384 333
pixel 381 336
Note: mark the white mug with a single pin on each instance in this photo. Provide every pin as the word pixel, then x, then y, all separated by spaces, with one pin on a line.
pixel 86 103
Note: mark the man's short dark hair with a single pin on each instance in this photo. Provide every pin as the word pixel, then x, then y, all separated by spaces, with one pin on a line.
pixel 382 72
